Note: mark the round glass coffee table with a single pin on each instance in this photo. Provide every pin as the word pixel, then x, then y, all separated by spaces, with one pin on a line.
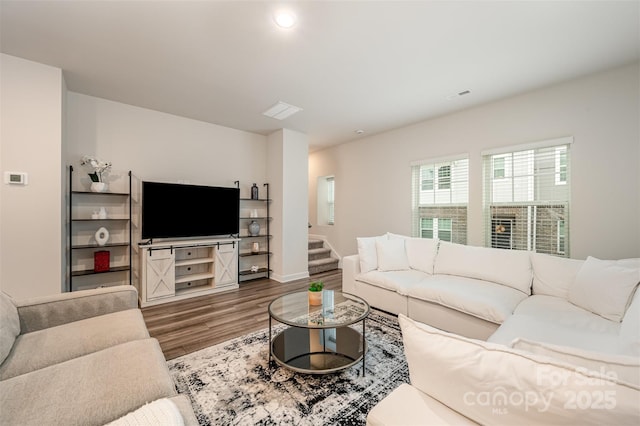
pixel 318 339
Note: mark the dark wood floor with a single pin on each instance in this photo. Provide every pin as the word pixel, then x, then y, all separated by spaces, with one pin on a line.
pixel 189 325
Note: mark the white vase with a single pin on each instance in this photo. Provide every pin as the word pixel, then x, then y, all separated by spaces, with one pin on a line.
pixel 102 236
pixel 98 187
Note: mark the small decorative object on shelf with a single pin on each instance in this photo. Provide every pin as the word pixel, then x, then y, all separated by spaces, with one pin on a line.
pixel 102 213
pixel 315 293
pixel 101 261
pixel 254 192
pixel 254 213
pixel 102 236
pixel 254 228
pixel 255 268
pixel 97 176
pixel 255 248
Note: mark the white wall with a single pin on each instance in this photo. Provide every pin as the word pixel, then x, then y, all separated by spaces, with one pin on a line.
pixel 287 160
pixel 31 216
pixel 157 146
pixel 373 176
pixel 162 147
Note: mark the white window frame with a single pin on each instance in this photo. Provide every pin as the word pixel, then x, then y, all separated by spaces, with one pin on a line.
pixel 530 177
pixel 439 185
pixel 325 201
pixel 331 200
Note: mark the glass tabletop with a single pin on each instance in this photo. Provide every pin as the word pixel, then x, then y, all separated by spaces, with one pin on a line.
pixel 338 309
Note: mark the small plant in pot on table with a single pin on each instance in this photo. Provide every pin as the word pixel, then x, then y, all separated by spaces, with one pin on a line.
pixel 315 293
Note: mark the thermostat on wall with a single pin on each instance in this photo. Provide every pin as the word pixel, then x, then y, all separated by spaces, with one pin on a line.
pixel 15 178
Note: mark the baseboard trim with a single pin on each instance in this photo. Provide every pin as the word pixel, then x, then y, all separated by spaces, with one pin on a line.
pixel 290 277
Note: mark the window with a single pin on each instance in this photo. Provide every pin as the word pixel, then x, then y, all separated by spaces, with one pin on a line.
pixel 331 200
pixel 444 177
pixel 427 178
pixel 326 200
pixel 440 196
pixel 526 197
pixel 426 227
pixel 498 167
pixel 561 165
pixel 561 236
pixel 433 227
pixel 444 229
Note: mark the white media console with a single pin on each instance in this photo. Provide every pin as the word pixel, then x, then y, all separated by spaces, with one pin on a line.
pixel 175 270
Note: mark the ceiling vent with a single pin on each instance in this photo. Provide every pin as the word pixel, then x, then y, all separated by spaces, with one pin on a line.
pixel 281 110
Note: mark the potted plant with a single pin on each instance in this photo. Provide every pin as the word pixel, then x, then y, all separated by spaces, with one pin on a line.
pixel 315 293
pixel 99 168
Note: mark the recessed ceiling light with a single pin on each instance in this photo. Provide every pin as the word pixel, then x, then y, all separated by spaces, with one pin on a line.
pixel 359 131
pixel 281 110
pixel 285 19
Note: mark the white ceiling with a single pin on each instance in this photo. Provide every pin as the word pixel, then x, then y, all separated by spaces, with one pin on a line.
pixel 371 65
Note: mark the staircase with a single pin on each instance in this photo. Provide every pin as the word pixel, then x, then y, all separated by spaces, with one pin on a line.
pixel 320 259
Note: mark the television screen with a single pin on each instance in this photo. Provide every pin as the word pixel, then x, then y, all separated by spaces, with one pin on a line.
pixel 171 210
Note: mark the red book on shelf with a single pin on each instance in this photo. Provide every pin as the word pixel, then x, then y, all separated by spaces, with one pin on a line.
pixel 101 261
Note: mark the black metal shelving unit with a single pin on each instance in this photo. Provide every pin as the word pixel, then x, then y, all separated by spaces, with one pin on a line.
pixel 245 275
pixel 86 247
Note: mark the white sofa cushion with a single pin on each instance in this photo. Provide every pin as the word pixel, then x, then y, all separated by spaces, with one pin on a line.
pixel 629 337
pixel 623 367
pixel 566 314
pixel 367 252
pixel 421 252
pixel 482 299
pixel 543 330
pixel 398 281
pixel 493 384
pixel 9 325
pixel 604 287
pixel 392 255
pixel 553 275
pixel 407 406
pixel 511 268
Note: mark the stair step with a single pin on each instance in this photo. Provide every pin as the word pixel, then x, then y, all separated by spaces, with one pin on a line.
pixel 315 244
pixel 322 265
pixel 319 253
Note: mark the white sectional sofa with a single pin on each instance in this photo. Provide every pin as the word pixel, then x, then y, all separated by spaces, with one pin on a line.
pixel 560 314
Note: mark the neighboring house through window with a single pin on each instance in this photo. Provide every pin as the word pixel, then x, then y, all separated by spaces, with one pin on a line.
pixel 440 196
pixel 526 197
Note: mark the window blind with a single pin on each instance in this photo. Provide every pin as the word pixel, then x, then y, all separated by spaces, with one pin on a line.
pixel 526 198
pixel 331 200
pixel 440 195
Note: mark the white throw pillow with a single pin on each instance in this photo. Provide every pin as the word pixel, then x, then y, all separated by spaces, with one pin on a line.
pixel 493 384
pixel 605 286
pixel 421 253
pixel 624 367
pixel 367 253
pixel 392 255
pixel 507 267
pixel 553 275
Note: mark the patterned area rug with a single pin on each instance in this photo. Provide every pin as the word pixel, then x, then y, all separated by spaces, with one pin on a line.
pixel 231 383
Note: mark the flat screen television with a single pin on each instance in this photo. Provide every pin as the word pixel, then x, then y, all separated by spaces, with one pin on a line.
pixel 171 210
